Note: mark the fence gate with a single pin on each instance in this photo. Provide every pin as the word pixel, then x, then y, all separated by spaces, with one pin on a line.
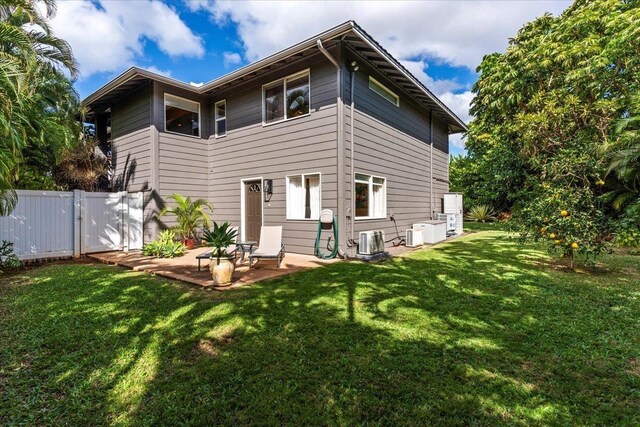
pixel 101 221
pixel 48 224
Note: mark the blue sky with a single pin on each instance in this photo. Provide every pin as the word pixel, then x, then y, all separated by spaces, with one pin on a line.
pixel 440 42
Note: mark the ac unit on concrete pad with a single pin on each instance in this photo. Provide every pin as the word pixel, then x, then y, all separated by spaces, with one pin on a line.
pixel 371 242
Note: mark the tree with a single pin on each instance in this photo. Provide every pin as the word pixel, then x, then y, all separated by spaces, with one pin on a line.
pixel 189 214
pixel 38 105
pixel 624 155
pixel 543 111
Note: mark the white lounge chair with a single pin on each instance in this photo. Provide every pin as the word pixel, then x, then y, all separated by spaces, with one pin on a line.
pixel 270 246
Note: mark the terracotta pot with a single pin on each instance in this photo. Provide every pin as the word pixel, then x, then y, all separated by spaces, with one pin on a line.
pixel 222 273
pixel 189 243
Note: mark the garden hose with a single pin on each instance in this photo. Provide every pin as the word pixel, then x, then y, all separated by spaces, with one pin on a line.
pixel 334 250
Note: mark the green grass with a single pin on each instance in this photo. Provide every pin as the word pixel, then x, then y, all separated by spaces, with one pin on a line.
pixel 477 331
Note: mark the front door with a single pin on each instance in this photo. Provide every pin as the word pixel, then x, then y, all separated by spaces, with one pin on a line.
pixel 252 209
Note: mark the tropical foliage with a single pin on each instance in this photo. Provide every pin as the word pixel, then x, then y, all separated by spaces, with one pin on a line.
pixel 8 259
pixel 165 246
pixel 480 213
pixel 189 214
pixel 38 104
pixel 544 110
pixel 221 237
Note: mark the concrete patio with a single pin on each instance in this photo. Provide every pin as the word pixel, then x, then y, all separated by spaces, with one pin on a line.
pixel 185 268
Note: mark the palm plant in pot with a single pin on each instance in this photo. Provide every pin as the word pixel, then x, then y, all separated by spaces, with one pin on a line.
pixel 222 264
pixel 190 216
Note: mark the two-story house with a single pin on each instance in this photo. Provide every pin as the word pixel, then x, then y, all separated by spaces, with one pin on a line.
pixel 332 122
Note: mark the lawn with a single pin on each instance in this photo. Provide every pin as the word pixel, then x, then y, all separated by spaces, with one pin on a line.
pixel 477 331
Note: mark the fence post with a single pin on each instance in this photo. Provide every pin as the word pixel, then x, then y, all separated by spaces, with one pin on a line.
pixel 77 223
pixel 124 217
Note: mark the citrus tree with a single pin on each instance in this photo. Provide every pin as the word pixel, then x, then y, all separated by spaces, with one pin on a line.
pixel 545 108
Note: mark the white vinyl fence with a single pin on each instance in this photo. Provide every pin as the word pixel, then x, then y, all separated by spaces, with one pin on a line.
pixel 51 224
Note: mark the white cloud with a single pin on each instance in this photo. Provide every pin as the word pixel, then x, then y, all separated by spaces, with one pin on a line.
pixel 231 58
pixel 109 35
pixel 460 33
pixel 456 33
pixel 418 69
pixel 459 103
pixel 154 69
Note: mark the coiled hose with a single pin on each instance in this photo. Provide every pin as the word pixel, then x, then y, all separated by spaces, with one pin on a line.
pixel 333 250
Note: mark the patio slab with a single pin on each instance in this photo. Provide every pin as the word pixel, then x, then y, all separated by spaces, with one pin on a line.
pixel 185 268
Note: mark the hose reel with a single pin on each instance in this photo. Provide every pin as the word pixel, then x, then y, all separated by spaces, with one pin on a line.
pixel 327 221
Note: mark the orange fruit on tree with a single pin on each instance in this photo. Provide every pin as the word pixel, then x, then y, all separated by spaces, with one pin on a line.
pixel 552 236
pixel 557 242
pixel 574 245
pixel 564 213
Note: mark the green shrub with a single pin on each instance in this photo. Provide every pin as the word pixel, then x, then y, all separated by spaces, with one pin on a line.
pixel 8 259
pixel 481 213
pixel 165 246
pixel 627 233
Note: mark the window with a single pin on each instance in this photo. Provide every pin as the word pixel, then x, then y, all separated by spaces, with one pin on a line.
pixel 221 118
pixel 383 91
pixel 371 196
pixel 181 115
pixel 303 196
pixel 286 99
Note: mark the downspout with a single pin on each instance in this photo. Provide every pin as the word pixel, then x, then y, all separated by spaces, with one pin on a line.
pixel 340 148
pixel 351 148
pixel 431 163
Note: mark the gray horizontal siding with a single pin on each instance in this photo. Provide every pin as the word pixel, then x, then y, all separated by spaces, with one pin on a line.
pixel 384 150
pixel 130 120
pixel 408 118
pixel 182 169
pixel 302 145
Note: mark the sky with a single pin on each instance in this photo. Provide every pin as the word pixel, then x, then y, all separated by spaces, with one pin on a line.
pixel 439 42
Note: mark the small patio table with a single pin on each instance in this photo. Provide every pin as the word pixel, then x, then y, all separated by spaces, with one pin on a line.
pixel 245 247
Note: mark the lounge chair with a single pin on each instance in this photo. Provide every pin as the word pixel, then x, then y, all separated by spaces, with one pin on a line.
pixel 270 246
pixel 231 251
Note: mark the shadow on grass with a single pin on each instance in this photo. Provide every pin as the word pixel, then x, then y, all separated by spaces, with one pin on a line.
pixel 471 332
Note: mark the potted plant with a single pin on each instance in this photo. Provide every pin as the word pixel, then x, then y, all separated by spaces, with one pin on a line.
pixel 190 216
pixel 222 264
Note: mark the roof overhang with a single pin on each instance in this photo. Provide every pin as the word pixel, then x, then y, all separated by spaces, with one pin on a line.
pixel 350 32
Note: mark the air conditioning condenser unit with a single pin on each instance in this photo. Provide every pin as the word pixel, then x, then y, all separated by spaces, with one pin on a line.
pixel 415 237
pixel 371 242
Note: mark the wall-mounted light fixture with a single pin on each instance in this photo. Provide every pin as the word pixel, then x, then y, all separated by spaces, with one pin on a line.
pixel 267 189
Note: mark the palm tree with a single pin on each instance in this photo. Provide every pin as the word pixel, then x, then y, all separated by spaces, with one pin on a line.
pixel 37 101
pixel 189 214
pixel 625 165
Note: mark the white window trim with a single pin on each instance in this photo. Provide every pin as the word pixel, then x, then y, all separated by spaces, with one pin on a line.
pixel 283 81
pixel 216 119
pixel 164 114
pixel 286 207
pixel 370 190
pixel 386 89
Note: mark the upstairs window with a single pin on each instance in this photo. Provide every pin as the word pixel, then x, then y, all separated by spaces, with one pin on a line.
pixel 181 115
pixel 286 99
pixel 384 91
pixel 371 196
pixel 221 118
pixel 303 196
